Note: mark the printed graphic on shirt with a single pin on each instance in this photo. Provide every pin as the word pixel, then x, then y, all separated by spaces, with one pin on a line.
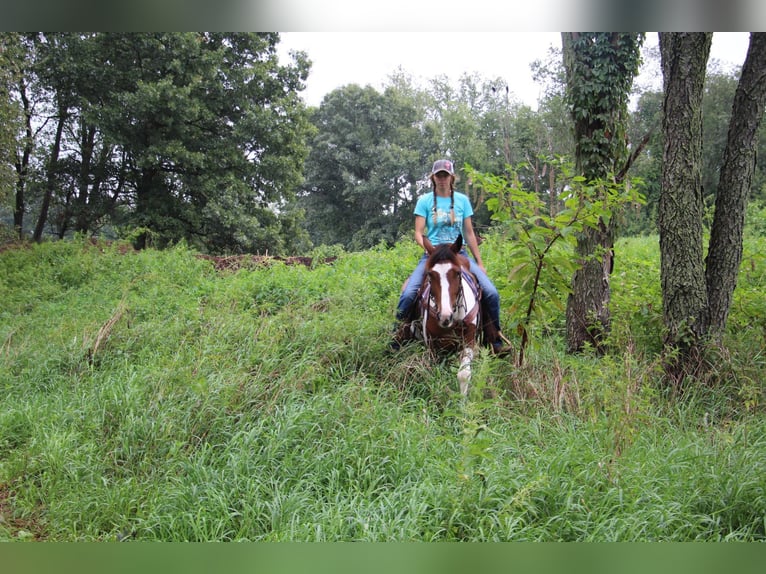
pixel 446 231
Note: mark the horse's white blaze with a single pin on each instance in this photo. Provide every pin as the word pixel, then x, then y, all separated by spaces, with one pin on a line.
pixel 445 307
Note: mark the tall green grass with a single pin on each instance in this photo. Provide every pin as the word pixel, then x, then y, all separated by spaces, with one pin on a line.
pixel 147 396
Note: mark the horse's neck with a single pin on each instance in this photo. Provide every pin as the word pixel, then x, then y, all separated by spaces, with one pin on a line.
pixel 469 294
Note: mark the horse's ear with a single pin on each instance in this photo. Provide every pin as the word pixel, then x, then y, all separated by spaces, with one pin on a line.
pixel 458 245
pixel 428 245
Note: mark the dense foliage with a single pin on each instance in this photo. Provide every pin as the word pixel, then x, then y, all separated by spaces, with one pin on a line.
pixel 362 165
pixel 542 245
pixel 168 136
pixel 147 396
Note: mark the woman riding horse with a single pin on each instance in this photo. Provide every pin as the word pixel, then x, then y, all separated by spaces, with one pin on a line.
pixel 441 216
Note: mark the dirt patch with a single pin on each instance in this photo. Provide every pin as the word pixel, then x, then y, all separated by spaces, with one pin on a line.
pixel 237 262
pixel 20 528
pixel 221 262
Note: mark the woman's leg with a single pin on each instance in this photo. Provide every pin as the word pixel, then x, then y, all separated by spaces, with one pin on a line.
pixel 410 292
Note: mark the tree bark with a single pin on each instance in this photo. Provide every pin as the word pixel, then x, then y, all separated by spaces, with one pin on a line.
pixel 600 69
pixel 588 317
pixel 684 295
pixel 725 248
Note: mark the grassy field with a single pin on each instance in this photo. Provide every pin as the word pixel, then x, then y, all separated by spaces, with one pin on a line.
pixel 148 396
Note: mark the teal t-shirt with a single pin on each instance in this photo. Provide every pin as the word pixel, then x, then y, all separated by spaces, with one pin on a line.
pixel 444 231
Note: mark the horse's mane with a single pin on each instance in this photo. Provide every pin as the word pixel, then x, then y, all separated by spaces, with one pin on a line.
pixel 445 252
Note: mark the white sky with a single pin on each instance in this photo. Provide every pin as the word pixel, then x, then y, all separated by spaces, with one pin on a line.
pixel 369 58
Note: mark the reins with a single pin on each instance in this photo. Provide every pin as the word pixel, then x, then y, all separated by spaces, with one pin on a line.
pixel 470 315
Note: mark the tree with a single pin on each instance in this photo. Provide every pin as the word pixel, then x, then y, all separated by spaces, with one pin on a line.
pixel 55 62
pixel 739 160
pixel 554 134
pixel 480 124
pixel 363 167
pixel 600 68
pixel 645 125
pixel 11 56
pixel 717 99
pixel 188 136
pixel 405 128
pixel 57 81
pixel 697 294
pixel 684 58
pixel 213 133
pixel 646 118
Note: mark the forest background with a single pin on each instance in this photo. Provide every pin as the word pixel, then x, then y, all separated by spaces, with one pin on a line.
pixel 165 136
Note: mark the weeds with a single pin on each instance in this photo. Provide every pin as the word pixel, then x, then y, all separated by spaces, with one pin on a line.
pixel 149 397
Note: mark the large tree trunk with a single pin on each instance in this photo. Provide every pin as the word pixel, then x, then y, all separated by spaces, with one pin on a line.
pixel 600 68
pixel 684 295
pixel 725 250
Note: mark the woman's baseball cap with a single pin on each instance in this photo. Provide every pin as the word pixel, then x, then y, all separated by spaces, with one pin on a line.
pixel 443 165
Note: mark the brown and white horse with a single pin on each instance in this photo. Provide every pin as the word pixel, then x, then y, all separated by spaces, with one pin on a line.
pixel 450 305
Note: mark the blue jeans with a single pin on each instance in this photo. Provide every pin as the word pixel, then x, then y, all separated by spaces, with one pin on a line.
pixel 489 295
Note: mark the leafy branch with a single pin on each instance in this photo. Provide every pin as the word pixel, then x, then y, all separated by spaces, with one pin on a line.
pixel 541 256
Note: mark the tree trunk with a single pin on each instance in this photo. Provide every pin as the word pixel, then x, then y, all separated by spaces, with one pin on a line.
pixel 51 179
pixel 684 295
pixel 588 317
pixel 725 250
pixel 600 68
pixel 81 215
pixel 22 163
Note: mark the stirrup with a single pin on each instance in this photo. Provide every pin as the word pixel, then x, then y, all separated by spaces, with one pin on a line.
pixel 499 349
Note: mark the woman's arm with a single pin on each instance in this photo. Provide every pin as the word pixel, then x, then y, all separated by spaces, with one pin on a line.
pixel 420 228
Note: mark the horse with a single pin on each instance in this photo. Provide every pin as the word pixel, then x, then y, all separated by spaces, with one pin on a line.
pixel 449 305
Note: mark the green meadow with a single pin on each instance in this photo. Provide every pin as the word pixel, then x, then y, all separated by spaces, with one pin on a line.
pixel 148 396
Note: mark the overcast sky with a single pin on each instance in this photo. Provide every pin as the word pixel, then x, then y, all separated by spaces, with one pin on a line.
pixel 341 58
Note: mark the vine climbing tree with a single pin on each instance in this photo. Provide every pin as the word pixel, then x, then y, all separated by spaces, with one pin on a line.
pixel 600 68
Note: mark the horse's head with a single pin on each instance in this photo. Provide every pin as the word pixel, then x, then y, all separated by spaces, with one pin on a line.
pixel 444 272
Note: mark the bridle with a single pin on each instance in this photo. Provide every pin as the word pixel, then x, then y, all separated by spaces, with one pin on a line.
pixel 460 300
pixel 430 305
